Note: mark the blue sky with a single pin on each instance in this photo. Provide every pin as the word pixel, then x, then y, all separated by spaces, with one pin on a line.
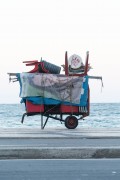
pixel 31 29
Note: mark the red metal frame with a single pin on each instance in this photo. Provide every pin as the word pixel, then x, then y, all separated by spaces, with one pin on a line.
pixel 31 108
pixel 32 63
pixel 35 63
pixel 86 66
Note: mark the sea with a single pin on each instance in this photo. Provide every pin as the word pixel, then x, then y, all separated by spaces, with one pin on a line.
pixel 101 115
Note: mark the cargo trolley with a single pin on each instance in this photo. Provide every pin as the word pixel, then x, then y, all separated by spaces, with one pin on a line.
pixel 68 112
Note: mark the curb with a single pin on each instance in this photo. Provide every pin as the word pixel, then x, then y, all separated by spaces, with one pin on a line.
pixel 59 153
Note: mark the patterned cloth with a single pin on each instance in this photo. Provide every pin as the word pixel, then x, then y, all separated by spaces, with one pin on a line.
pixel 54 87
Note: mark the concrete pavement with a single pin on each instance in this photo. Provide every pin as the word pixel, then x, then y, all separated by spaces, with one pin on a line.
pixel 32 143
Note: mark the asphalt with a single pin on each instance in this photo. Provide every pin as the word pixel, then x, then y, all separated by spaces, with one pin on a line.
pixel 80 143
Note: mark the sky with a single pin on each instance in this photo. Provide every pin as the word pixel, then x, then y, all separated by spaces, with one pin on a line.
pixel 31 29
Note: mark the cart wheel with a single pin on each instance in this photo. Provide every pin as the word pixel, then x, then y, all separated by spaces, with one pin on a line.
pixel 71 122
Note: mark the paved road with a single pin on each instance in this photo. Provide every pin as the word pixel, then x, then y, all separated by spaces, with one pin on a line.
pixel 74 142
pixel 34 143
pixel 102 169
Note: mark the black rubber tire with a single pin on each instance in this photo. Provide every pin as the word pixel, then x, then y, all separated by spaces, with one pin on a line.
pixel 71 122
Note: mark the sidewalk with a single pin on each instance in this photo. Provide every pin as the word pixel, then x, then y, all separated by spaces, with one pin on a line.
pixel 32 143
pixel 60 133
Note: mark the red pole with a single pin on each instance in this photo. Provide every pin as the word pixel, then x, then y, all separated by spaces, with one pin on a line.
pixel 86 63
pixel 66 64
